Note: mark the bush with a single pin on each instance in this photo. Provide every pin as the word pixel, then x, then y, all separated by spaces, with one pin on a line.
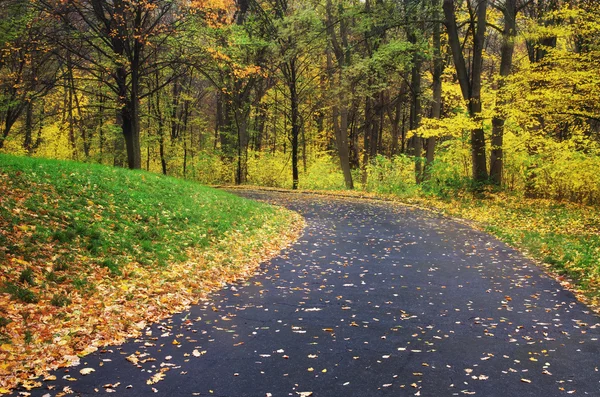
pixel 394 175
pixel 210 169
pixel 269 169
pixel 323 173
pixel 445 180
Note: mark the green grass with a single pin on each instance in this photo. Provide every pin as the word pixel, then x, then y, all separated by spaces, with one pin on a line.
pixel 109 214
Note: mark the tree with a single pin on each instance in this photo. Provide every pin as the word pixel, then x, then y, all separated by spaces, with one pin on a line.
pixel 509 32
pixel 340 111
pixel 469 77
pixel 121 43
pixel 28 71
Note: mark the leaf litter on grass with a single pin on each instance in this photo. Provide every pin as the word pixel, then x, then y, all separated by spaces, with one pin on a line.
pixel 62 292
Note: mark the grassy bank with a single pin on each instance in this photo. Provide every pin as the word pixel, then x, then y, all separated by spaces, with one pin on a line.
pixel 89 254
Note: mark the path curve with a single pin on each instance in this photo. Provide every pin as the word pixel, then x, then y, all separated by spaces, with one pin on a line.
pixel 374 299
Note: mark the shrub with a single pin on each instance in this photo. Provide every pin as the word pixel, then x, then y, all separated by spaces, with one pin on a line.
pixel 394 175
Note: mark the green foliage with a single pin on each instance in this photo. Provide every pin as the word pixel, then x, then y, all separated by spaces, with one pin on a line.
pixel 26 276
pixel 566 175
pixel 4 321
pixel 395 175
pixel 19 293
pixel 323 173
pixel 445 181
pixel 209 168
pixel 269 169
pixel 60 300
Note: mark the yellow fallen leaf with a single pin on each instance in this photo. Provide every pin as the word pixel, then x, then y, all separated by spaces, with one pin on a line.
pixel 86 371
pixel 175 342
pixel 132 359
pixel 155 378
pixel 28 385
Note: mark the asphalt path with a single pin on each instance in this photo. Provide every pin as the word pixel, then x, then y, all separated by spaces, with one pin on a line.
pixel 374 299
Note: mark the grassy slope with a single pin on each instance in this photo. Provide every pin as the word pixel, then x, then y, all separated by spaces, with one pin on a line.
pixel 89 253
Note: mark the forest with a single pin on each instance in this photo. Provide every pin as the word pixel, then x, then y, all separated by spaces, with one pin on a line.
pixel 459 114
pixel 389 96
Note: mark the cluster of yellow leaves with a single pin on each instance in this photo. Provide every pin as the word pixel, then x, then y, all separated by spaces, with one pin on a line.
pixel 242 72
pixel 117 308
pixel 216 12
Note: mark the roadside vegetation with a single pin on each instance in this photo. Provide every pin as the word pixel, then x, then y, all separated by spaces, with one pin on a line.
pixel 89 254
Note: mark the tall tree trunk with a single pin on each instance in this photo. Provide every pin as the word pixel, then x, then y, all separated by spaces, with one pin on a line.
pixel 507 50
pixel 415 109
pixel 119 152
pixel 294 119
pixel 131 133
pixel 241 121
pixel 367 126
pixel 130 115
pixel 28 141
pixel 438 69
pixel 395 123
pixel 340 108
pixel 131 110
pixel 470 79
pixel 158 112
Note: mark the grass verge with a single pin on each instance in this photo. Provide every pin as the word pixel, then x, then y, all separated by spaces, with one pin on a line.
pixel 563 237
pixel 90 254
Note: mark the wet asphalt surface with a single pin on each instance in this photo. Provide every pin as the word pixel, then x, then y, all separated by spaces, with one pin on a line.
pixel 372 300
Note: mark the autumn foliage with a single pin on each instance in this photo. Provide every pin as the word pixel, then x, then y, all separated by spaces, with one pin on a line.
pixel 89 255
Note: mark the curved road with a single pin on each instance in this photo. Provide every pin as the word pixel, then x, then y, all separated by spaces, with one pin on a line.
pixel 374 299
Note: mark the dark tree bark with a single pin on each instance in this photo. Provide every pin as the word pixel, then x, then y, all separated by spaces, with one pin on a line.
pixel 470 78
pixel 415 108
pixel 292 80
pixel 437 70
pixel 123 38
pixel 28 141
pixel 508 45
pixel 340 111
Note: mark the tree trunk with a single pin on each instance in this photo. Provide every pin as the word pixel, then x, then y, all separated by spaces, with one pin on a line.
pixel 131 133
pixel 241 120
pixel 119 154
pixel 28 141
pixel 415 109
pixel 436 106
pixel 395 122
pixel 507 50
pixel 295 120
pixel 470 80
